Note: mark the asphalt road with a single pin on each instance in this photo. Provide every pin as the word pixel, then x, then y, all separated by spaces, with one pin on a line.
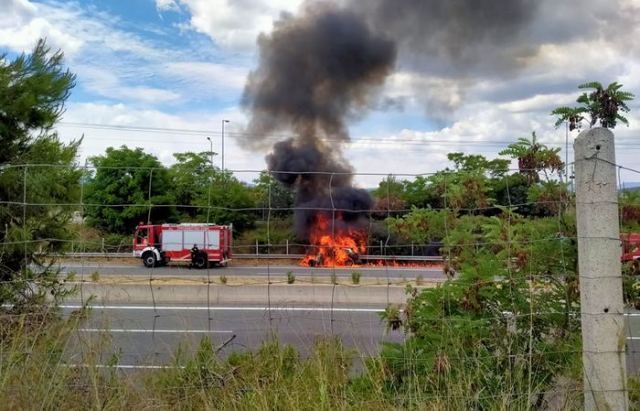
pixel 106 269
pixel 146 337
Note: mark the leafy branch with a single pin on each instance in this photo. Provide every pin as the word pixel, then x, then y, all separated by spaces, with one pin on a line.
pixel 603 105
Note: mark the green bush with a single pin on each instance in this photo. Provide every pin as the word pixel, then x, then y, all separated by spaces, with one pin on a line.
pixel 510 314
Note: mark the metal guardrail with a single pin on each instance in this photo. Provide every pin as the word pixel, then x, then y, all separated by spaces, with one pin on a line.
pixel 266 256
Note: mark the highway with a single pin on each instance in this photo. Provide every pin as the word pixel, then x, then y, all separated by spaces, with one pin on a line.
pixel 144 336
pixel 138 270
pixel 147 336
pixel 145 323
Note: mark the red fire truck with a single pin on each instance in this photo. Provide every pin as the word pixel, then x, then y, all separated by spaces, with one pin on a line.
pixel 630 246
pixel 199 244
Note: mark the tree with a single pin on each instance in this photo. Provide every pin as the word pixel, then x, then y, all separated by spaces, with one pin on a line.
pixel 127 187
pixel 417 193
pixel 232 202
pixel 545 197
pixel 37 169
pixel 190 177
pixel 469 186
pixel 602 104
pixel 269 192
pixel 534 158
pixel 629 200
pixel 206 194
pixel 389 197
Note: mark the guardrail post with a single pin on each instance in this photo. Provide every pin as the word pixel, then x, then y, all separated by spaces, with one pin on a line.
pixel 602 310
pixel 287 247
pixel 257 249
pixel 411 249
pixel 103 244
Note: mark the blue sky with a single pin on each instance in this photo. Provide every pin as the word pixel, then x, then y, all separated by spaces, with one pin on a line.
pixel 182 64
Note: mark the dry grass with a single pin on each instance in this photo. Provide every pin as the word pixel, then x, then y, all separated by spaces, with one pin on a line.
pixel 36 350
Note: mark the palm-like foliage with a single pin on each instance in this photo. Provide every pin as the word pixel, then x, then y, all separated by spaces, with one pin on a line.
pixel 534 158
pixel 602 104
pixel 572 115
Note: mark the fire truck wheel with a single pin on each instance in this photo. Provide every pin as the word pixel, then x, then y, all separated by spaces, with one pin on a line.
pixel 149 259
pixel 200 261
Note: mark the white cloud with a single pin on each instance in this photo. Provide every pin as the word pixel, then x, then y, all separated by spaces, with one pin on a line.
pixel 233 24
pixel 167 5
pixel 163 141
pixel 481 113
pixel 107 84
pixel 215 76
pixel 22 23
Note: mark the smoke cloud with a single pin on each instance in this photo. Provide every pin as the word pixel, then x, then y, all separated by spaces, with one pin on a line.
pixel 316 71
pixel 323 67
pixel 454 37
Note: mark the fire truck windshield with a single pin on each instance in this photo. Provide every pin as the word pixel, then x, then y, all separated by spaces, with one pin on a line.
pixel 142 236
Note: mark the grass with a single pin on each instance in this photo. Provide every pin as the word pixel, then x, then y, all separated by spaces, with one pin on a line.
pixel 33 375
pixel 355 277
pixel 95 276
pixel 290 277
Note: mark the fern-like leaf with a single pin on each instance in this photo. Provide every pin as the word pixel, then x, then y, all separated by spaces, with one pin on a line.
pixel 593 84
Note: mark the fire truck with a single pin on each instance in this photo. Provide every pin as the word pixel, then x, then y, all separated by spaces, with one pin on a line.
pixel 630 246
pixel 202 245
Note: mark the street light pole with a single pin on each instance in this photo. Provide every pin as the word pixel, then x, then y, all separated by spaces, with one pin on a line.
pixel 210 178
pixel 223 122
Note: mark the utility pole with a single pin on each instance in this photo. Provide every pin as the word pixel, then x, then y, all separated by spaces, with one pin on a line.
pixel 210 178
pixel 602 310
pixel 566 152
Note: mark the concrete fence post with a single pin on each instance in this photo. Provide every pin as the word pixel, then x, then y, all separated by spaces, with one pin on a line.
pixel 602 309
pixel 257 248
pixel 287 247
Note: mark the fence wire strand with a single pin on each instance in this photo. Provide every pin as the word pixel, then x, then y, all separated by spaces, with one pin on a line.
pixel 339 323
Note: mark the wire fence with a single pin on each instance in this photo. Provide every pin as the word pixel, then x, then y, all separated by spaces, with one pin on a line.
pixel 507 279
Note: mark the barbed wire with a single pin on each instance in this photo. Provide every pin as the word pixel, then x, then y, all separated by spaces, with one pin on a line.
pixel 274 311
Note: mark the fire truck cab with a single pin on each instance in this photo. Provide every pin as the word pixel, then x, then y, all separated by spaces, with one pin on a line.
pixel 199 244
pixel 630 246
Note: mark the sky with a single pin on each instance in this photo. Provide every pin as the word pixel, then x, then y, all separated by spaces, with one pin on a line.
pixel 164 74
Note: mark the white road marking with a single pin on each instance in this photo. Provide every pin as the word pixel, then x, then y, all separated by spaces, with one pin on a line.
pixel 221 308
pixel 147 331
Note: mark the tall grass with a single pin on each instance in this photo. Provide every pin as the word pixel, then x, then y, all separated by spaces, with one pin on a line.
pixel 36 351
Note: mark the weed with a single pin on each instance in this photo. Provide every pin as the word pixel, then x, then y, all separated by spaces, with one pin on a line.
pixel 223 279
pixel 95 276
pixel 419 280
pixel 355 277
pixel 290 277
pixel 334 278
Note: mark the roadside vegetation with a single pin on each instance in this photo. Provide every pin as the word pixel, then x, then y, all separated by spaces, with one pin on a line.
pixel 501 333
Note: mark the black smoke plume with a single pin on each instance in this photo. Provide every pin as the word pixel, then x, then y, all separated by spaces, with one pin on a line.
pixel 316 71
pixel 322 67
pixel 454 38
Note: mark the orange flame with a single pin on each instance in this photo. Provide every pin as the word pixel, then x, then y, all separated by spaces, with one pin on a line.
pixel 333 244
